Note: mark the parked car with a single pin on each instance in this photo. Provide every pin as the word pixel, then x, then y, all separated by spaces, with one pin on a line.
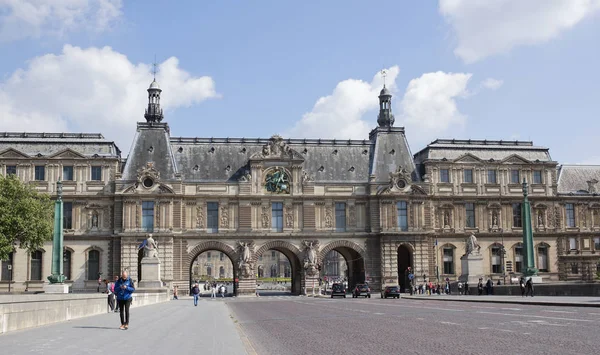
pixel 338 290
pixel 361 290
pixel 391 291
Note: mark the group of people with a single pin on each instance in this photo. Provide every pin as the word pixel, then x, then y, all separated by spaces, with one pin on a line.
pixel 429 288
pixel 120 297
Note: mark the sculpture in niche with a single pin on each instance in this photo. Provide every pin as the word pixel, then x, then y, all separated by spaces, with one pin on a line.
pixel 265 217
pixel 494 219
pixel 277 181
pixel 224 217
pixel 352 215
pixel 328 217
pixel 94 219
pixel 289 218
pixel 540 218
pixel 199 217
pixel 446 219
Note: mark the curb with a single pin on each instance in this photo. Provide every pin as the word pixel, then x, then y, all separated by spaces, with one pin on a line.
pixel 538 303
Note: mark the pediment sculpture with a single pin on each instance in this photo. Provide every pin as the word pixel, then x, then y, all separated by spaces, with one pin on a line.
pixel 276 149
pixel 277 180
pixel 400 182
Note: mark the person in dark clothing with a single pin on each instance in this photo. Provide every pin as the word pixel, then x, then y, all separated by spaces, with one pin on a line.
pixel 467 291
pixel 522 286
pixel 480 287
pixel 124 289
pixel 196 294
pixel 529 286
pixel 489 287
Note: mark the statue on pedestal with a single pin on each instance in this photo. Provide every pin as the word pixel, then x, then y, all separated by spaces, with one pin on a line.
pixel 472 247
pixel 245 266
pixel 310 261
pixel 150 247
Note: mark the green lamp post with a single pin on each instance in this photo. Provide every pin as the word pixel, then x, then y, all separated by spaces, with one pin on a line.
pixel 57 276
pixel 530 269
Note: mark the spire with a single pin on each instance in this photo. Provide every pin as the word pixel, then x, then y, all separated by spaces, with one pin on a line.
pixel 385 117
pixel 154 113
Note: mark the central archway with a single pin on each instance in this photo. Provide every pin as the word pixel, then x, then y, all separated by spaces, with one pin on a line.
pixel 293 267
pixel 405 260
pixel 353 255
pixel 218 247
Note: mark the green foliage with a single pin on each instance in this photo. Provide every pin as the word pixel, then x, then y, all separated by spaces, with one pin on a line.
pixel 26 216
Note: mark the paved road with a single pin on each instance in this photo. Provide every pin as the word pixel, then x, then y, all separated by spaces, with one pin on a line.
pixel 175 327
pixel 302 325
pixel 574 301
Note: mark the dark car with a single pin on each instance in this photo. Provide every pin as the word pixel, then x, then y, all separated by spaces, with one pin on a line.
pixel 338 290
pixel 361 290
pixel 391 291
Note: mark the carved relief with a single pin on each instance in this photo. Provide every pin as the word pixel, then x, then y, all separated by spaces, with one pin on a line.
pixel 400 182
pixel 352 215
pixel 328 217
pixel 265 217
pixel 540 218
pixel 277 181
pixel 276 148
pixel 224 216
pixel 289 217
pixel 592 186
pixel 200 217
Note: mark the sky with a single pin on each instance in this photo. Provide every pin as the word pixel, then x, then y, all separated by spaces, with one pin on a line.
pixel 464 69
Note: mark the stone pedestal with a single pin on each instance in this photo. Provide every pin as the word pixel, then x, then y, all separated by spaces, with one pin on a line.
pixel 56 288
pixel 535 279
pixel 472 268
pixel 150 273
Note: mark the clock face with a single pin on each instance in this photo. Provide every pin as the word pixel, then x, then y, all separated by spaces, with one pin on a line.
pixel 401 184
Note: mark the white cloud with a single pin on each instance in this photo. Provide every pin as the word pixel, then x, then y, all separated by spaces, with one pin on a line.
pixel 340 114
pixel 429 104
pixel 92 90
pixel 21 19
pixel 492 84
pixel 484 28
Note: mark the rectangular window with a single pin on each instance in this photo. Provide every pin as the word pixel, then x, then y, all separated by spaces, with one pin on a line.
pixel 6 273
pixel 517 222
pixel 67 215
pixel 11 170
pixel 574 268
pixel 67 173
pixel 492 177
pixel 402 215
pixel 340 217
pixel 597 243
pixel 148 216
pixel 208 255
pixel 519 259
pixel 448 261
pixel 514 176
pixel 572 243
pixel 543 259
pixel 468 175
pixel 273 255
pixel 212 217
pixel 444 175
pixel 470 209
pixel 496 260
pixel 537 177
pixel 40 173
pixel 36 266
pixel 570 215
pixel 221 257
pixel 96 173
pixel 277 217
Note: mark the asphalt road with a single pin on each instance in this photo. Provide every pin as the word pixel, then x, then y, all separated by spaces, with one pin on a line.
pixel 303 325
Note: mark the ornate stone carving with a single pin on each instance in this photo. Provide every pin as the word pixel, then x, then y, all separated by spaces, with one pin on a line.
pixel 289 217
pixel 540 218
pixel 224 216
pixel 310 258
pixel 352 215
pixel 95 220
pixel 150 247
pixel 277 181
pixel 472 247
pixel 246 176
pixel 328 217
pixel 200 217
pixel 447 219
pixel 400 182
pixel 245 264
pixel 592 186
pixel 276 149
pixel 265 217
pixel 306 177
pixel 494 219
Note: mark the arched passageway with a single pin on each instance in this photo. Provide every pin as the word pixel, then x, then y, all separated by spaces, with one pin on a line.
pixel 277 268
pixel 346 260
pixel 213 262
pixel 405 260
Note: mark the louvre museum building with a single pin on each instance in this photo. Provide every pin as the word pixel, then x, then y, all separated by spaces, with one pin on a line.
pixel 381 208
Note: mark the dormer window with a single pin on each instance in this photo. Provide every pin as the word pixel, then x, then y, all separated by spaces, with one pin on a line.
pixel 444 175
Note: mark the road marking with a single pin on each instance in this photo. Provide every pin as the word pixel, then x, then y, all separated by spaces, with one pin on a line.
pixel 449 323
pixel 379 314
pixel 512 309
pixel 484 307
pixel 559 311
pixel 533 316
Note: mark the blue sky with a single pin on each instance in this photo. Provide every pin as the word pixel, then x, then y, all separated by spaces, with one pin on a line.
pixel 507 69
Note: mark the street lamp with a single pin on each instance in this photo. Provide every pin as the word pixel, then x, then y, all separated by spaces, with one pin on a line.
pixel 9 276
pixel 503 253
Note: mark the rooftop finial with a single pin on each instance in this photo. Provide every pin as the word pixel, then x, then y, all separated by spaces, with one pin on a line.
pixel 154 65
pixel 383 74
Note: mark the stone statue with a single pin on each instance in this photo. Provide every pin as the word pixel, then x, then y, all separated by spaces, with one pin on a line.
pixel 472 245
pixel 540 218
pixel 245 254
pixel 150 247
pixel 94 220
pixel 311 255
pixel 494 219
pixel 446 219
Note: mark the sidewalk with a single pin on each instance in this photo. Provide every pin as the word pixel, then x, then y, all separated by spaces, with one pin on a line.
pixel 537 300
pixel 166 328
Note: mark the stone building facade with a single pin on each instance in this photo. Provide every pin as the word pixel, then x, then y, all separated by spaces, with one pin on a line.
pixel 381 207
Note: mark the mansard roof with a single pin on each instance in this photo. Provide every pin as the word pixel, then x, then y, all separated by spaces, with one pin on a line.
pixel 51 144
pixel 486 150
pixel 574 179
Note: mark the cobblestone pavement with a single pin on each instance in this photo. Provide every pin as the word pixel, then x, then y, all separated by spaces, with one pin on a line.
pixel 175 327
pixel 573 301
pixel 305 325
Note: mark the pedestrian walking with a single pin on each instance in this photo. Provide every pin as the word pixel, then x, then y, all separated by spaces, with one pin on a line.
pixel 460 286
pixel 480 287
pixel 112 288
pixel 522 286
pixel 124 287
pixel 222 291
pixel 467 291
pixel 529 286
pixel 111 295
pixel 196 294
pixel 175 297
pixel 214 291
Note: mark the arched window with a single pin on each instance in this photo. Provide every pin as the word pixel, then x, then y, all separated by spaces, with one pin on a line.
pixel 221 272
pixel 448 259
pixel 67 264
pixel 36 266
pixel 261 271
pixel 93 265
pixel 543 264
pixel 287 271
pixel 273 270
pixel 6 273
pixel 518 257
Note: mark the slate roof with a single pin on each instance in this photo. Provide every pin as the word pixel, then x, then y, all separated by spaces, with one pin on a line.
pixel 573 178
pixel 452 149
pixel 47 144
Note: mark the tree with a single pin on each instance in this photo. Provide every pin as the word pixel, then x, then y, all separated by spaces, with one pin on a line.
pixel 26 216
